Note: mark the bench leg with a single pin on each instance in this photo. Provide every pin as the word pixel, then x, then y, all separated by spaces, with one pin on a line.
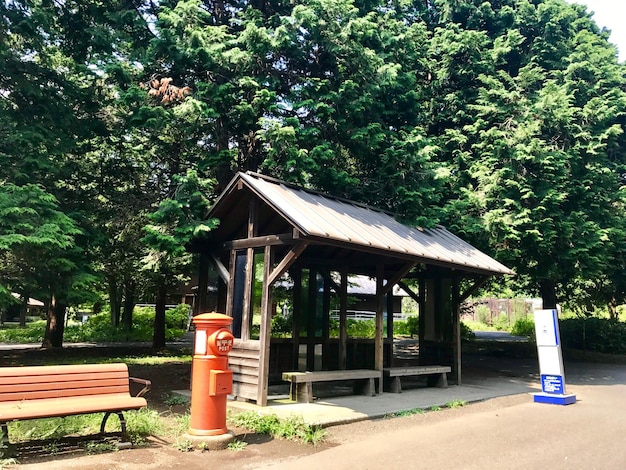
pixel 301 392
pixel 395 385
pixel 5 445
pixel 106 417
pixel 365 387
pixel 438 380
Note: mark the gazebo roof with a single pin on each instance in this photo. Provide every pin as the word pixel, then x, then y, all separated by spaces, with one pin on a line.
pixel 344 224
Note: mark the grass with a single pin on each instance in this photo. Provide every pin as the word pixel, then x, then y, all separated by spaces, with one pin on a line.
pixel 140 424
pixel 292 428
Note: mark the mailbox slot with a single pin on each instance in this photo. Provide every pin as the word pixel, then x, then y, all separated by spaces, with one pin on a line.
pixel 220 382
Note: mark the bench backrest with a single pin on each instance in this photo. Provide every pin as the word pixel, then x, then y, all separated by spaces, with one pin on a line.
pixel 37 382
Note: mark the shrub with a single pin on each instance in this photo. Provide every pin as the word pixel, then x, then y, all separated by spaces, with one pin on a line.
pixel 501 322
pixel 281 326
pixel 466 333
pixel 98 328
pixel 524 327
pixel 594 334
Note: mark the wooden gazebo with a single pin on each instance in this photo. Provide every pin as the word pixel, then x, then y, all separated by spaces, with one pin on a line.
pixel 269 229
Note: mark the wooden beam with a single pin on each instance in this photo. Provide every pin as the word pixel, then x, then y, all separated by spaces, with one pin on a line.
pixel 258 242
pixel 397 277
pixel 328 278
pixel 287 261
pixel 221 269
pixel 478 283
pixel 408 290
pixel 265 333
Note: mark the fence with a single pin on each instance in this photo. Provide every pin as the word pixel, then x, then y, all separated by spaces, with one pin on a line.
pixel 492 310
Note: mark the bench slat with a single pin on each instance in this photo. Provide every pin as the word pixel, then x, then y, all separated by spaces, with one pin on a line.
pixel 62 393
pixel 62 369
pixel 437 375
pixel 330 375
pixel 48 408
pixel 50 378
pixel 416 370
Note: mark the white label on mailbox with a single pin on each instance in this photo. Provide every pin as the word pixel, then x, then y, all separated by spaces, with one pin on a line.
pixel 200 342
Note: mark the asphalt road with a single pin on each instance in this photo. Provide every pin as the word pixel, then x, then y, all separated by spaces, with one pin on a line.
pixel 590 434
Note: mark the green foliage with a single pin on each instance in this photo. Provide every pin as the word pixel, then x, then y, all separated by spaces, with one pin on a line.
pixel 524 327
pixel 501 322
pixel 282 326
pixel 98 328
pixel 456 404
pixel 408 327
pixel 237 445
pixel 32 333
pixel 593 334
pixel 466 333
pixel 292 428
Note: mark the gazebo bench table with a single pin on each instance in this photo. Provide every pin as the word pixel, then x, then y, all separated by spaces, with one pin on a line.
pixel 436 376
pixel 36 392
pixel 301 383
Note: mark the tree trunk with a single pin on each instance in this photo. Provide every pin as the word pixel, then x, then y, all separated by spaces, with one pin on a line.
pixel 129 304
pixel 55 325
pixel 548 293
pixel 24 309
pixel 612 308
pixel 114 300
pixel 158 340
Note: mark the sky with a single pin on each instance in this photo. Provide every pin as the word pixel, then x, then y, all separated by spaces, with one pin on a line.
pixel 610 14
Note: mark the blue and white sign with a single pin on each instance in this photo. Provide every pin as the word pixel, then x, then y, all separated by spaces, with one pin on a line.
pixel 550 360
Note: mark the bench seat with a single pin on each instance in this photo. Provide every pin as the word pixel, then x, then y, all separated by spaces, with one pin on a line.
pixel 301 388
pixel 36 392
pixel 436 376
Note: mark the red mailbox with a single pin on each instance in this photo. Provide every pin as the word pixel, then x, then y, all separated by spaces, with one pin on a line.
pixel 211 380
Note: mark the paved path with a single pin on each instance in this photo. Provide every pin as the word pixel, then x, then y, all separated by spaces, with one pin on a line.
pixel 590 434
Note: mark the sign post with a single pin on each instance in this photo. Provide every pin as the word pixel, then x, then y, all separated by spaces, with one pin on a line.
pixel 550 360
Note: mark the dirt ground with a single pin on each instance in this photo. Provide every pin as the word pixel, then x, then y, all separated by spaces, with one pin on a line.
pixel 260 450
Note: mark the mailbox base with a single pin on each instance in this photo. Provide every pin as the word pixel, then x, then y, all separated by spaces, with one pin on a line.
pixel 554 399
pixel 218 442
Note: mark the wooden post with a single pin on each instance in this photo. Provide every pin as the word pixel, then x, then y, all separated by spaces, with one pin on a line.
pixel 231 283
pixel 390 312
pixel 422 319
pixel 247 295
pixel 200 305
pixel 456 305
pixel 265 334
pixel 310 327
pixel 297 316
pixel 380 306
pixel 343 320
pixel 326 323
pixel 249 285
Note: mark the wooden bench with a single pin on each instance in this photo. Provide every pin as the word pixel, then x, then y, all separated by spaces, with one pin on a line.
pixel 56 391
pixel 301 388
pixel 436 376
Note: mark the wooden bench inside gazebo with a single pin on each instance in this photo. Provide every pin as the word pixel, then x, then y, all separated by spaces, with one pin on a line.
pixel 275 239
